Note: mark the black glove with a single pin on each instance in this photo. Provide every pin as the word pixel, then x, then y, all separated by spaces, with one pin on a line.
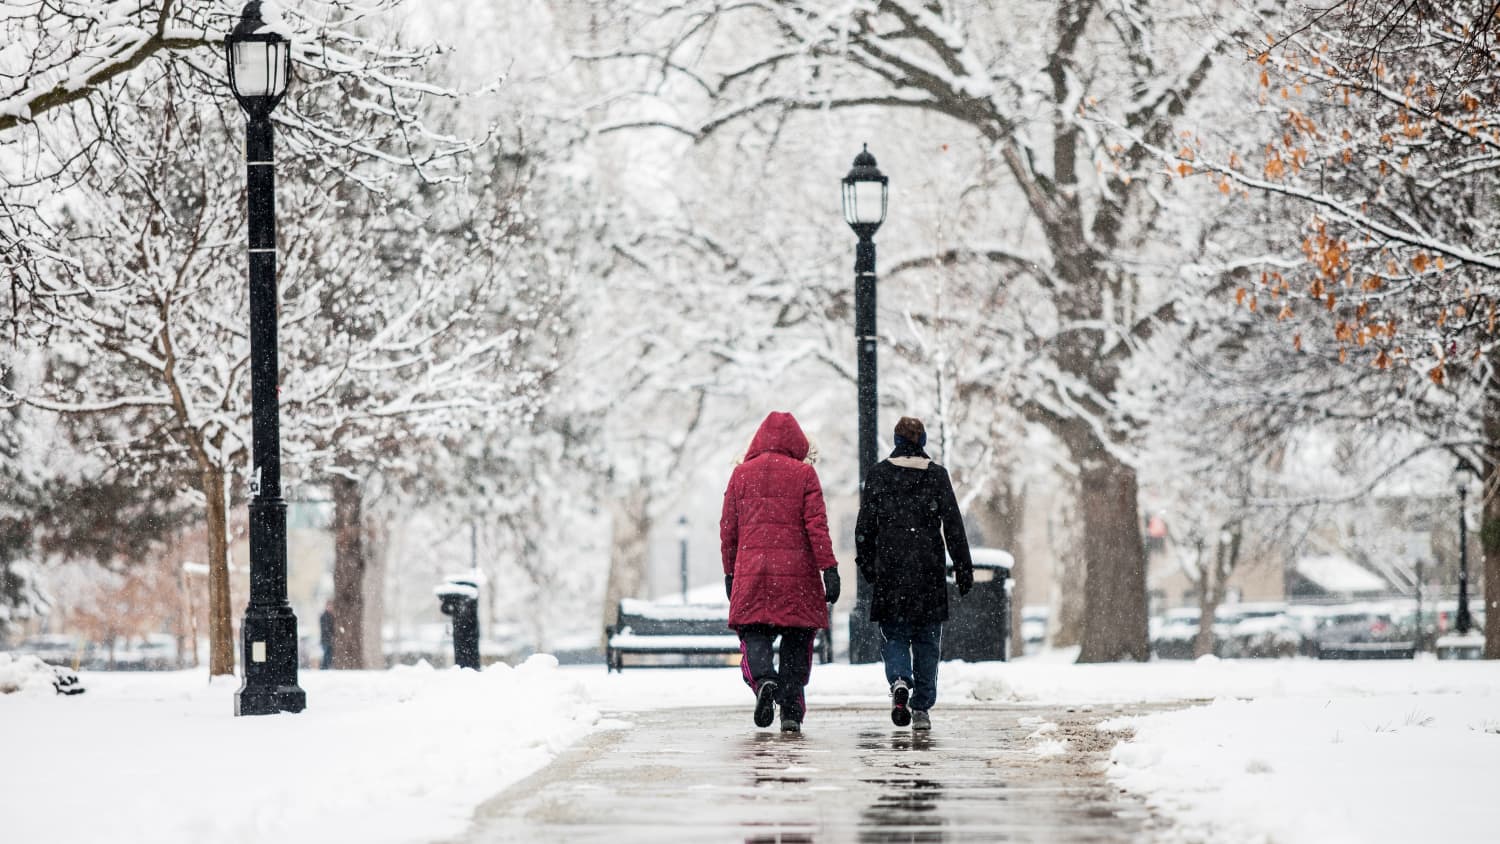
pixel 729 586
pixel 831 585
pixel 964 585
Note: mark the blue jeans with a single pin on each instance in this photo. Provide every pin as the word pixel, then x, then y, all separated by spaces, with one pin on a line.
pixel 913 646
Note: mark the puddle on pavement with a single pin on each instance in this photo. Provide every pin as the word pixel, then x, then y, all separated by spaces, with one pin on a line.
pixel 850 779
pixel 776 759
pixel 872 740
pixel 781 838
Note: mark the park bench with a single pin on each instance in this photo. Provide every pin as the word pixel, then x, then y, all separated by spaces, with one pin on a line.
pixel 692 633
pixel 1367 650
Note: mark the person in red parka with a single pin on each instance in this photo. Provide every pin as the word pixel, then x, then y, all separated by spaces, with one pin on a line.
pixel 779 569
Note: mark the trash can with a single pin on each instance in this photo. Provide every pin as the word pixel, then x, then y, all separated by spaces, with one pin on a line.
pixel 978 625
pixel 460 599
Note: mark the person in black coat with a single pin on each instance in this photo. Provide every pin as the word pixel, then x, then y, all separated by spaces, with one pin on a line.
pixel 907 516
pixel 326 632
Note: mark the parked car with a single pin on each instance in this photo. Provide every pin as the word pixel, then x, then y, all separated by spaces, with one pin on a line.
pixel 1304 620
pixel 1173 633
pixel 1366 631
pixel 1255 631
pixel 55 648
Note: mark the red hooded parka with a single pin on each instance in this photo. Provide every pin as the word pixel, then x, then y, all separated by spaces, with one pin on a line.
pixel 774 532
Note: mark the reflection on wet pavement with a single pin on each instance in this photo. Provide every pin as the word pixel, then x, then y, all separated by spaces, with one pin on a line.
pixel 708 775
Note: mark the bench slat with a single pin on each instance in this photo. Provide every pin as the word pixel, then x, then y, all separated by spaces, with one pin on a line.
pixel 649 626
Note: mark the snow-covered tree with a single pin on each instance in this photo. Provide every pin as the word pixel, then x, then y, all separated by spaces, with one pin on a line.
pixel 400 321
pixel 1381 134
pixel 1069 238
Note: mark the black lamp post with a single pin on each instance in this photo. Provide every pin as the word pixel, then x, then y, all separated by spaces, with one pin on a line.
pixel 260 63
pixel 1461 476
pixel 865 193
pixel 682 539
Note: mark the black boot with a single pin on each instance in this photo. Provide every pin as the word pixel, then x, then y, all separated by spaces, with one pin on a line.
pixel 765 703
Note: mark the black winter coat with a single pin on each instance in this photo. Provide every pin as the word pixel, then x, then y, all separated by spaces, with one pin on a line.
pixel 908 510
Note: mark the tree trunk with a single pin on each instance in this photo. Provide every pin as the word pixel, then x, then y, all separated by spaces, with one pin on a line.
pixel 348 574
pixel 220 616
pixel 1069 576
pixel 1214 585
pixel 628 546
pixel 1489 529
pixel 1015 505
pixel 377 537
pixel 1115 616
pixel 1210 593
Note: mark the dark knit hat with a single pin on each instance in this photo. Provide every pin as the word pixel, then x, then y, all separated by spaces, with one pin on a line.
pixel 911 429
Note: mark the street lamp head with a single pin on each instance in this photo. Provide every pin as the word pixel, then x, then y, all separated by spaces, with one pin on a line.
pixel 865 193
pixel 260 63
pixel 1463 475
pixel 682 529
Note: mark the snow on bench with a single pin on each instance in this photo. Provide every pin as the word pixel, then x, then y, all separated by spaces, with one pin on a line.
pixel 638 608
pixel 632 643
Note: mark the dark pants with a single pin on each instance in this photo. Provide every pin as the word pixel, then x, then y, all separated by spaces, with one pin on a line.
pixel 327 657
pixel 911 653
pixel 757 663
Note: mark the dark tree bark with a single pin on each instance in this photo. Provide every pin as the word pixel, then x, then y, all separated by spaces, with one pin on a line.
pixel 348 573
pixel 220 614
pixel 1115 622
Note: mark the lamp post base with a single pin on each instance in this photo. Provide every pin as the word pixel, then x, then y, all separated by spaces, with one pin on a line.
pixel 269 655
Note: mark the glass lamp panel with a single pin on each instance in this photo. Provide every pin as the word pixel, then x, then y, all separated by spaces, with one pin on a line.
pixel 849 204
pixel 869 202
pixel 276 69
pixel 253 68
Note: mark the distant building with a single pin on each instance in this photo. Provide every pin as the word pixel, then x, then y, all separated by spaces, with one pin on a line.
pixel 1329 576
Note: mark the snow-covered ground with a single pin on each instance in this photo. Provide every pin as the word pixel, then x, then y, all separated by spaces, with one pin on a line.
pixel 1288 751
pixel 1346 752
pixel 396 756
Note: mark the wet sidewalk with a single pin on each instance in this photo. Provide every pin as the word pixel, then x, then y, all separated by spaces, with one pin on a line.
pixel 708 775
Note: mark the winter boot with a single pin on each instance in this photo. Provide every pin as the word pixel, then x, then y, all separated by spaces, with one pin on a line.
pixel 900 694
pixel 920 720
pixel 765 703
pixel 790 725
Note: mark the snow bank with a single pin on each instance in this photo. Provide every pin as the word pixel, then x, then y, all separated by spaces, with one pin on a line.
pixel 1386 767
pixel 26 674
pixel 396 756
pixel 1203 680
